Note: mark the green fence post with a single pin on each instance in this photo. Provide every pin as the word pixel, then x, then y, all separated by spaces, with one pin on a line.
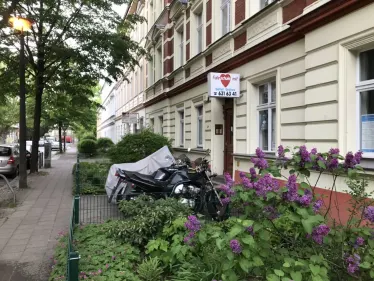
pixel 77 177
pixel 73 266
pixel 76 209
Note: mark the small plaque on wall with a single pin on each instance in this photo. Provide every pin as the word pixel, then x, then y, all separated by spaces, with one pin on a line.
pixel 219 129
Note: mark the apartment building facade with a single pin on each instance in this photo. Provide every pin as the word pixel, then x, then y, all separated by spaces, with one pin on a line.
pixel 306 77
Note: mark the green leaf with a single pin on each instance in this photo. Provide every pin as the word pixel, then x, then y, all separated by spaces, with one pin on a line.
pixel 248 240
pixel 264 235
pixel 230 255
pixel 304 185
pixel 235 231
pixel 247 223
pixel 219 243
pixel 246 253
pixel 286 264
pixel 294 217
pixel 258 261
pixel 278 272
pixel 272 277
pixel 303 212
pixel 202 237
pixel 365 265
pixel 244 264
pixel 321 164
pixel 296 276
pixel 315 269
pixel 257 227
pixel 371 243
pixel 310 222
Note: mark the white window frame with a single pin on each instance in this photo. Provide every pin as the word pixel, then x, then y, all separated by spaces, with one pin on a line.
pixel 181 128
pixel 200 118
pixel 161 119
pixel 362 86
pixel 200 34
pixel 224 4
pixel 181 47
pixel 269 106
pixel 265 3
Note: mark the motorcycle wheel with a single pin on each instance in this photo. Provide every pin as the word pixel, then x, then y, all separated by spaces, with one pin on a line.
pixel 216 210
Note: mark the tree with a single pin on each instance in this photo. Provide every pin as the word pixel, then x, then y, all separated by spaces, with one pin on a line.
pixel 8 116
pixel 86 34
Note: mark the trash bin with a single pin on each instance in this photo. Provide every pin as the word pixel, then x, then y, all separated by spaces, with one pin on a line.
pixel 47 155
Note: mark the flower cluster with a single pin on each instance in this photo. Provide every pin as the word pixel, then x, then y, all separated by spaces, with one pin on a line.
pixel 228 179
pixel 193 225
pixel 353 263
pixel 291 195
pixel 235 246
pixel 271 212
pixel 369 214
pixel 317 205
pixel 260 161
pixel 253 173
pixel 265 185
pixel 359 242
pixel 319 233
pixel 304 156
pixel 250 230
pixel 351 160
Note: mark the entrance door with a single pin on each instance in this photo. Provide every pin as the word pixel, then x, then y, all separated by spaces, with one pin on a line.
pixel 228 114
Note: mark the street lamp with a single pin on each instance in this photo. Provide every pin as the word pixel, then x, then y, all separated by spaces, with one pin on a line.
pixel 22 25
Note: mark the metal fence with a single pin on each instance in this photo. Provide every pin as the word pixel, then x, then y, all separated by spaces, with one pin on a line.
pixel 72 265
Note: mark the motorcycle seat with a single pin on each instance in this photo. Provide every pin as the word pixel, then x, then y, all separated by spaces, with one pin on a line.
pixel 145 178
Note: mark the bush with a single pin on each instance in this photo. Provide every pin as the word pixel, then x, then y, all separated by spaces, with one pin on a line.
pixel 134 147
pixel 285 230
pixel 104 143
pixel 88 137
pixel 145 218
pixel 92 177
pixel 87 146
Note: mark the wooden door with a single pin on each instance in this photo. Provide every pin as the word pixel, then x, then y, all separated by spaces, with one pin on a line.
pixel 228 113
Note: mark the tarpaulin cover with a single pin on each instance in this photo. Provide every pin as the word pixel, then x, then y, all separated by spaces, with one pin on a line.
pixel 159 159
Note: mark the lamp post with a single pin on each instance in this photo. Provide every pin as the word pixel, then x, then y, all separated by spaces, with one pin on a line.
pixel 22 25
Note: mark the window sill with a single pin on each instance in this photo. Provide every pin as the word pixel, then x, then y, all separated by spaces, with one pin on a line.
pixel 268 155
pixel 193 150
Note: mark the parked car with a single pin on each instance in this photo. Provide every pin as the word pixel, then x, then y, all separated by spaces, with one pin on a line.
pixel 55 145
pixel 9 160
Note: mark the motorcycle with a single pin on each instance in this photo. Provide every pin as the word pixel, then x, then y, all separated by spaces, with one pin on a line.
pixel 192 186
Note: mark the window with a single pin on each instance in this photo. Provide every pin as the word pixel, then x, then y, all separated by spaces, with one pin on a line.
pixel 161 119
pixel 152 124
pixel 141 122
pixel 141 79
pixel 264 3
pixel 200 127
pixel 199 29
pixel 225 12
pixel 181 128
pixel 158 65
pixel 150 73
pixel 181 47
pixel 365 90
pixel 267 115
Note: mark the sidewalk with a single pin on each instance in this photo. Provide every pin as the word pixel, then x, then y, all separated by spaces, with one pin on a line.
pixel 28 236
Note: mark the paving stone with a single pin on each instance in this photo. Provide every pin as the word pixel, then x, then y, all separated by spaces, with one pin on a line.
pixel 10 256
pixel 16 242
pixel 13 248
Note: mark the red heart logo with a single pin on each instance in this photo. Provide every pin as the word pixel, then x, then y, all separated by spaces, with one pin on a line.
pixel 225 79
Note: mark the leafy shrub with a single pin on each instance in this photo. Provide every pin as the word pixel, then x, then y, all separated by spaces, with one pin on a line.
pixel 92 177
pixel 102 258
pixel 285 230
pixel 145 218
pixel 134 147
pixel 103 144
pixel 150 270
pixel 88 137
pixel 87 146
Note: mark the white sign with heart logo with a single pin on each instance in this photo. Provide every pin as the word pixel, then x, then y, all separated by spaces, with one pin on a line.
pixel 224 85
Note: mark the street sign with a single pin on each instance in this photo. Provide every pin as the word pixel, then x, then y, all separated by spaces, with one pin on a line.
pixel 129 117
pixel 224 85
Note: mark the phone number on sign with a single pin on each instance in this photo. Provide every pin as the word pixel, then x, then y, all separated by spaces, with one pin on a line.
pixel 225 94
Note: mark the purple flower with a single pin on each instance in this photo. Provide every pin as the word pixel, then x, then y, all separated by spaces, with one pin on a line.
pixel 242 175
pixel 360 241
pixel 291 195
pixel 313 151
pixel 253 173
pixel 188 238
pixel 226 190
pixel 334 151
pixel 235 246
pixel 107 266
pixel 353 263
pixel 317 206
pixel 247 183
pixel 193 224
pixel 281 153
pixel 99 271
pixel 333 164
pixel 260 153
pixel 358 157
pixel 113 258
pixel 228 179
pixel 319 233
pixel 226 200
pixel 369 214
pixel 260 163
pixel 271 212
pixel 305 200
pixel 304 155
pixel 250 230
pixel 265 185
pixel 350 161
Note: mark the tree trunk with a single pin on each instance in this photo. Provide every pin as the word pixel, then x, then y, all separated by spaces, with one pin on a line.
pixel 39 88
pixel 60 136
pixel 64 140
